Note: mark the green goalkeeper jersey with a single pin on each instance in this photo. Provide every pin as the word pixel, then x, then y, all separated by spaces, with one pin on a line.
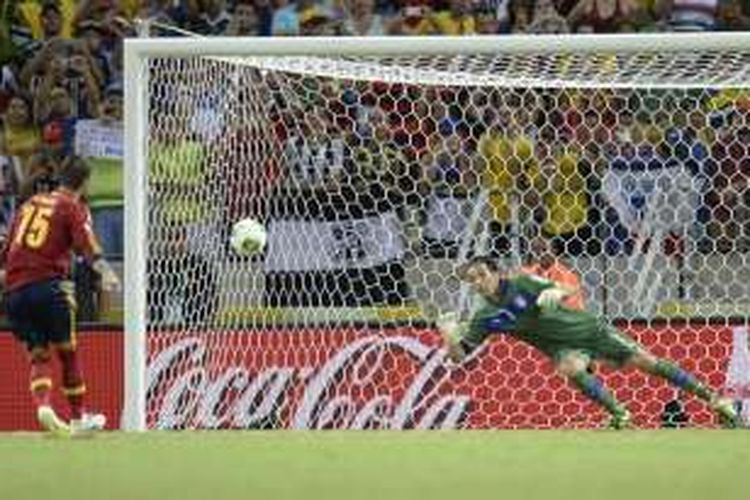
pixel 554 331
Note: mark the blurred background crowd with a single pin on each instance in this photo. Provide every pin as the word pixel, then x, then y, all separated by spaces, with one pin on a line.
pixel 61 93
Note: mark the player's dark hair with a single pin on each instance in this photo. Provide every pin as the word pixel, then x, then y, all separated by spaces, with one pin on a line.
pixel 74 173
pixel 477 260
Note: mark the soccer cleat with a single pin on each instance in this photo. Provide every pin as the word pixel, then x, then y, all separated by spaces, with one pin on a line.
pixel 88 423
pixel 727 413
pixel 50 422
pixel 620 421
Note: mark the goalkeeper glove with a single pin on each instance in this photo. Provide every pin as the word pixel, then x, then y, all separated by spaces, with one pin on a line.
pixel 550 298
pixel 452 331
pixel 449 327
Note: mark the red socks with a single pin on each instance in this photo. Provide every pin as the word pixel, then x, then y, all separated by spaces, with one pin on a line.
pixel 73 386
pixel 72 380
pixel 41 378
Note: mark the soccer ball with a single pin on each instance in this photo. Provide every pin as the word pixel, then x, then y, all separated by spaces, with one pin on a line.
pixel 248 237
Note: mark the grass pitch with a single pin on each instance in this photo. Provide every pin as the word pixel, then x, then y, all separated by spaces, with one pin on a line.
pixel 550 465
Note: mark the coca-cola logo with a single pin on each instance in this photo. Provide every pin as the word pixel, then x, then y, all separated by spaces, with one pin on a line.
pixel 190 386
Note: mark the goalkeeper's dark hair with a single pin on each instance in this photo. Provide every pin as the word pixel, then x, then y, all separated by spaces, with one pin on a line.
pixel 74 172
pixel 484 260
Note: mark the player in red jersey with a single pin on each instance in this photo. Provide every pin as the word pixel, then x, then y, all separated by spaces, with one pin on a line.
pixel 40 302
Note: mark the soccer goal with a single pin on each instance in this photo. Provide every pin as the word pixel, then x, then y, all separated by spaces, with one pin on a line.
pixel 378 164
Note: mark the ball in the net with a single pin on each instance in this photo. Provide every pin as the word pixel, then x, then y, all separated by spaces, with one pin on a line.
pixel 248 236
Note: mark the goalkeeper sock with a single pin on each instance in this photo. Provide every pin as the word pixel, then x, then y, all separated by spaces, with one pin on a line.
pixel 593 388
pixel 41 380
pixel 682 379
pixel 73 386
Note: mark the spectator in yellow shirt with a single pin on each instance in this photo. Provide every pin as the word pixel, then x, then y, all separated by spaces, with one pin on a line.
pixel 20 136
pixel 413 19
pixel 457 20
pixel 564 197
pixel 505 156
pixel 48 19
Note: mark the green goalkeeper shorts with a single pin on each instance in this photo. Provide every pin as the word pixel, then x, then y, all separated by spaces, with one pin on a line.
pixel 611 346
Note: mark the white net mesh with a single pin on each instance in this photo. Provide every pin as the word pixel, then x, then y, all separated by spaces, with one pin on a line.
pixel 374 176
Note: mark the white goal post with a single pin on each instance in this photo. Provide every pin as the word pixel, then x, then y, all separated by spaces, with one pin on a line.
pixel 672 61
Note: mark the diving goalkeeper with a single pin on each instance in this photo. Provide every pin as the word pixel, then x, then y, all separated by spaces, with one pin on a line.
pixel 528 308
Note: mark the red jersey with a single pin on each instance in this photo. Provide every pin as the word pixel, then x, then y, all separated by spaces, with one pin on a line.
pixel 45 232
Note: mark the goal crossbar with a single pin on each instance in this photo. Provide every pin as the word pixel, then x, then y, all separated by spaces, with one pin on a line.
pixel 434 45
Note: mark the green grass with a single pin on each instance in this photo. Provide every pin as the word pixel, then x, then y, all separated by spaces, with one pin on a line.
pixel 555 465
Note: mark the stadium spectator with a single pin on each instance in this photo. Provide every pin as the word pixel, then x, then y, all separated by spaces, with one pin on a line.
pixel 733 15
pixel 603 16
pixel 245 20
pixel 11 176
pixel 116 63
pixel 362 20
pixel 98 48
pixel 547 20
pixel 8 82
pixel 728 197
pixel 75 78
pixel 649 16
pixel 213 18
pixel 166 12
pixel 264 10
pixel 98 11
pixel 180 177
pixel 448 164
pixel 520 16
pixel 285 21
pixel 48 19
pixel 457 19
pixel 593 133
pixel 21 136
pixel 692 15
pixel 314 152
pixel 505 156
pixel 39 59
pixel 490 19
pixel 58 120
pixel 378 165
pixel 319 21
pixel 412 19
pixel 564 201
pixel 106 183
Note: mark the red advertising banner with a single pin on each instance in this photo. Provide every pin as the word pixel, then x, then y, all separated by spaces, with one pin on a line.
pixel 395 378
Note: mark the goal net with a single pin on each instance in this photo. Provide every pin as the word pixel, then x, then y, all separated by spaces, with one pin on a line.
pixel 376 172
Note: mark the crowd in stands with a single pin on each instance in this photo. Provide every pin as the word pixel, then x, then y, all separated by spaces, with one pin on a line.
pixel 61 92
pixel 576 166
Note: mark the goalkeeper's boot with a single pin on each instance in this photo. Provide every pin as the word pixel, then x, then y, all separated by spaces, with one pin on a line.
pixel 50 422
pixel 621 420
pixel 727 413
pixel 87 424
